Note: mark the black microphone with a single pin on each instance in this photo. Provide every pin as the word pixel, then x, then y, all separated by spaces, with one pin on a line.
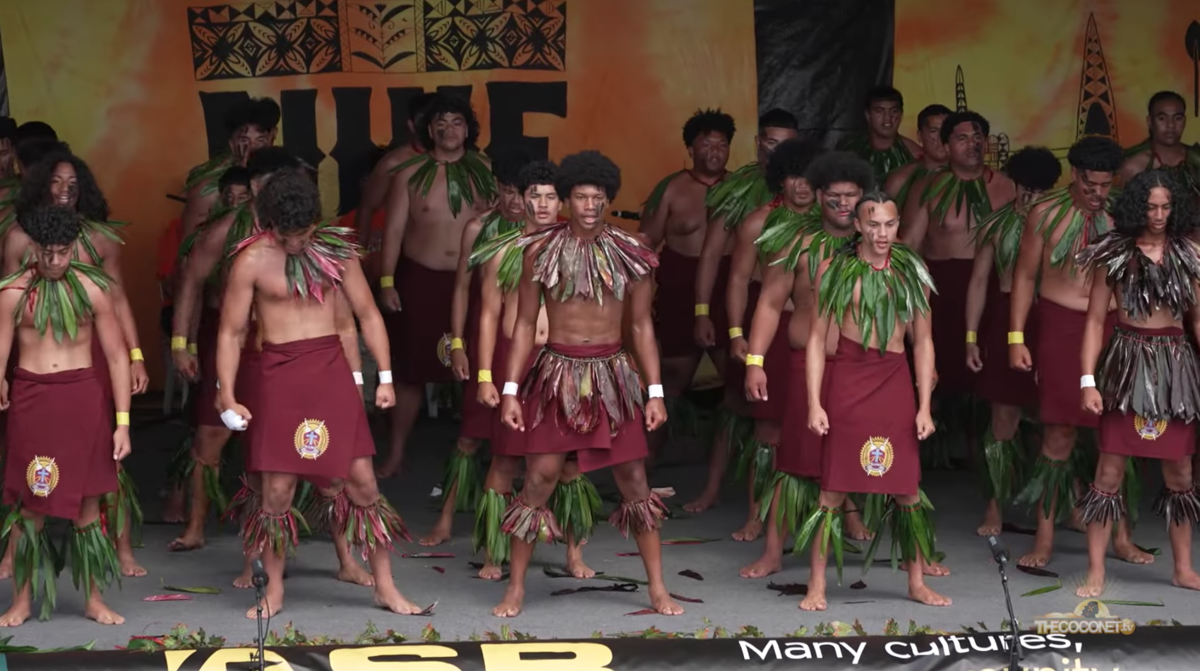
pixel 259 578
pixel 999 552
pixel 627 214
pixel 258 574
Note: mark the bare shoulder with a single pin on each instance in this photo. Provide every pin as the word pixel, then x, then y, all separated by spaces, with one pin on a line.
pixel 394 158
pixel 1136 163
pixel 913 147
pixel 97 295
pixel 756 219
pixel 897 177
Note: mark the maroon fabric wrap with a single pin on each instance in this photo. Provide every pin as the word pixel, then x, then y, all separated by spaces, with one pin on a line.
pixel 478 420
pixel 1060 332
pixel 998 382
pixel 779 371
pixel 64 417
pixel 800 451
pixel 416 332
pixel 1132 436
pixel 872 446
pixel 597 449
pixel 675 304
pixel 948 306
pixel 505 441
pixel 312 423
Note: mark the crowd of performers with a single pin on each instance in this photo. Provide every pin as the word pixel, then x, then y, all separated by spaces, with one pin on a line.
pixel 847 298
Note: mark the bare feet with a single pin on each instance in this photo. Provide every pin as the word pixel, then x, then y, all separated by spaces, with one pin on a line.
pixel 390 466
pixel 922 594
pixel 1129 552
pixel 440 534
pixel 98 611
pixel 991 520
pixel 663 492
pixel 750 532
pixel 815 598
pixel 355 574
pixel 16 615
pixel 763 567
pixel 931 569
pixel 577 568
pixel 491 571
pixel 243 581
pixel 272 605
pixel 6 568
pixel 510 606
pixel 855 529
pixel 186 543
pixel 130 568
pixel 1039 556
pixel 1186 579
pixel 704 502
pixel 390 598
pixel 661 601
pixel 1093 584
pixel 174 510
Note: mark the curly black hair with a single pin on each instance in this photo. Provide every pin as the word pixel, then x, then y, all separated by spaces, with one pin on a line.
pixel 235 176
pixel 271 159
pixel 537 172
pixel 1163 96
pixel 507 164
pixel 587 168
pixel 51 225
pixel 35 129
pixel 1034 168
pixel 289 202
pixel 883 94
pixel 778 118
pixel 31 150
pixel 957 118
pixel 791 158
pixel 261 112
pixel 931 111
pixel 708 121
pixel 444 103
pixel 417 105
pixel 1129 210
pixel 8 128
pixel 840 166
pixel 1096 153
pixel 35 188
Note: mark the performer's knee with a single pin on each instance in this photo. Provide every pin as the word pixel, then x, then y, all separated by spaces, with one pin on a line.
pixel 505 467
pixel 1057 441
pixel 468 445
pixel 1110 472
pixel 89 510
pixel 832 499
pixel 1006 419
pixel 631 480
pixel 1177 475
pixel 768 431
pixel 278 490
pixel 210 440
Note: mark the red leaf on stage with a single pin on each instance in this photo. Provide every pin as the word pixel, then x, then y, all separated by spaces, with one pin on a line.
pixel 168 597
pixel 859 585
pixel 439 569
pixel 689 573
pixel 429 555
pixel 644 611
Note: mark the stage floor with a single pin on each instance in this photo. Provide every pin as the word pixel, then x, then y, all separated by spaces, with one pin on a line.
pixel 319 605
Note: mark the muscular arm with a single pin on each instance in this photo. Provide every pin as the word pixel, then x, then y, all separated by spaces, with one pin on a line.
pixel 1097 312
pixel 715 239
pixel 923 357
pixel 362 301
pixel 460 303
pixel 814 349
pixel 395 225
pixel 491 303
pixel 914 221
pixel 235 315
pixel 741 267
pixel 981 272
pixel 374 196
pixel 641 322
pixel 525 330
pixel 895 179
pixel 8 326
pixel 205 255
pixel 1024 281
pixel 111 251
pixel 197 208
pixel 347 330
pixel 16 243
pixel 776 287
pixel 654 224
pixel 107 328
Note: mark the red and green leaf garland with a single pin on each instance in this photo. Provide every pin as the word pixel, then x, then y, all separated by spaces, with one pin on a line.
pixel 571 267
pixel 319 265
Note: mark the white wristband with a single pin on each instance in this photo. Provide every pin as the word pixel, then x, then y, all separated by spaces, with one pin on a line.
pixel 218 385
pixel 233 421
pixel 1087 381
pixel 358 378
pixel 385 377
pixel 510 389
pixel 656 391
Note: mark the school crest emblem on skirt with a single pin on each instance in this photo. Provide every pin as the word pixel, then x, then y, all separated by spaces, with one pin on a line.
pixel 876 456
pixel 443 350
pixel 312 439
pixel 42 476
pixel 1147 430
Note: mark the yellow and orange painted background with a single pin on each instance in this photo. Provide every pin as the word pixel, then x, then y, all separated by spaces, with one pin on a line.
pixel 120 80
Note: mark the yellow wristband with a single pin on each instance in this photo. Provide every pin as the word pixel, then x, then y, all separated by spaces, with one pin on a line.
pixel 701 309
pixel 456 343
pixel 193 348
pixel 754 360
pixel 122 419
pixel 484 376
pixel 135 354
pixel 972 337
pixel 735 332
pixel 1016 338
pixel 387 282
pixel 178 343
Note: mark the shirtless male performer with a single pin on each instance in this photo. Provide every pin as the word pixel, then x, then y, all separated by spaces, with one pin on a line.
pixel 873 424
pixel 55 375
pixel 462 484
pixel 252 124
pixel 882 145
pixel 1143 385
pixel 1034 170
pixel 1059 226
pixel 575 502
pixel 421 245
pixel 292 274
pixel 729 205
pixel 585 309
pixel 379 182
pixel 1166 119
pixel 63 179
pixel 794 242
pixel 934 155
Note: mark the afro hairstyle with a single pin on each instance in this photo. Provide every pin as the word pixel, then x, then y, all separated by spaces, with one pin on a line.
pixel 1096 153
pixel 537 172
pixel 588 168
pixel 442 104
pixel 708 121
pixel 791 158
pixel 51 225
pixel 38 129
pixel 1034 168
pixel 958 118
pixel 35 187
pixel 261 112
pixel 289 202
pixel 836 167
pixel 1129 210
pixel 507 164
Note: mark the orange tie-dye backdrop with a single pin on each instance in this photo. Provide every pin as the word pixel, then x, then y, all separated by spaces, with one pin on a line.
pixel 120 81
pixel 1046 72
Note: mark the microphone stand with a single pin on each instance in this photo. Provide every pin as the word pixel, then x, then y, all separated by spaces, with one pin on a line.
pixel 259 580
pixel 1015 653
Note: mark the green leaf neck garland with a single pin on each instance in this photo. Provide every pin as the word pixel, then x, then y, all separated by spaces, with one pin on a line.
pixel 319 265
pixel 948 190
pixel 655 199
pixel 801 234
pixel 107 229
pixel 918 173
pixel 494 224
pixel 465 178
pixel 508 276
pixel 1083 228
pixel 882 161
pixel 741 192
pixel 1002 229
pixel 61 304
pixel 894 293
pixel 1145 285
pixel 209 174
pixel 570 267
